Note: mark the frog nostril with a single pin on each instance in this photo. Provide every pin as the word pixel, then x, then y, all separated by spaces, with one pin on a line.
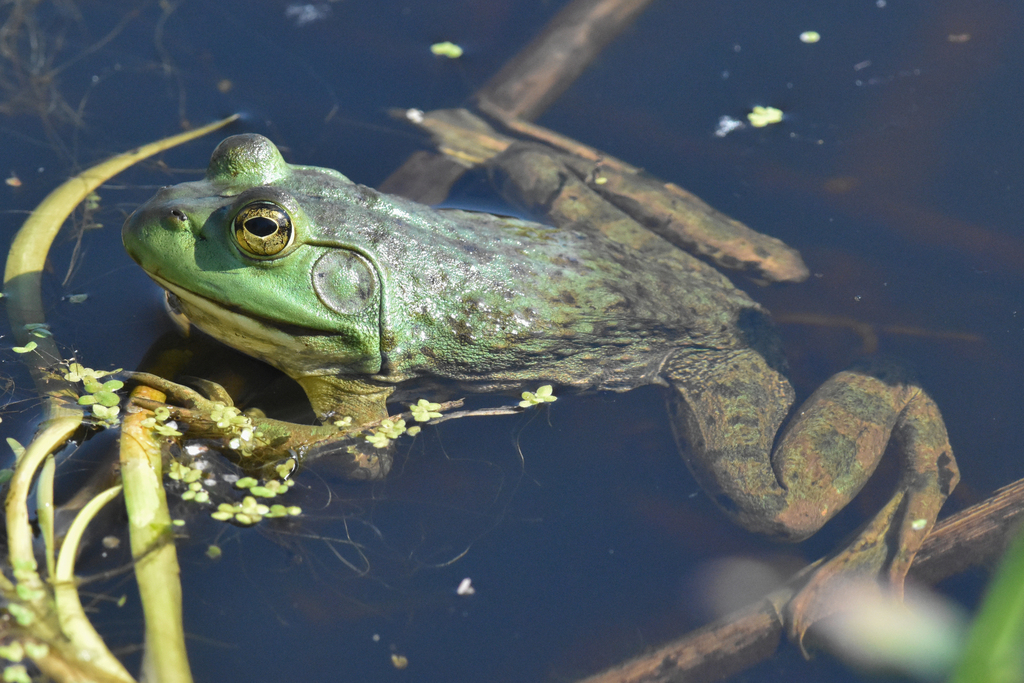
pixel 179 215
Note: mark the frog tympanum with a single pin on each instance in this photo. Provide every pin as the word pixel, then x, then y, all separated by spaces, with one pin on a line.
pixel 354 294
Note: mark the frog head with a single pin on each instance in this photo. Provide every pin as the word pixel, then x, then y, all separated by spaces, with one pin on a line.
pixel 258 256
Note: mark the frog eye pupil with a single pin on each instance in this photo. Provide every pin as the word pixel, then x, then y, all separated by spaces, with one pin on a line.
pixel 261 226
pixel 263 229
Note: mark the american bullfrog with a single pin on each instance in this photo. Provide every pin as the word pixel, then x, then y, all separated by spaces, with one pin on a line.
pixel 356 295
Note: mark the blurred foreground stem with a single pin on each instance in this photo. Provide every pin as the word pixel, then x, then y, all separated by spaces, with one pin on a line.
pixel 995 647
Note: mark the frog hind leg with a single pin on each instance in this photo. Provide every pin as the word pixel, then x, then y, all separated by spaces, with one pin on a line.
pixel 726 408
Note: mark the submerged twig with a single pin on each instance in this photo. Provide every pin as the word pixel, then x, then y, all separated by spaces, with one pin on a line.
pixel 974 536
pixel 538 75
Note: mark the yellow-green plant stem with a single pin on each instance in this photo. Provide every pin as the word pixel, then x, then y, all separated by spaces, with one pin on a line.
pixel 156 563
pixel 61 418
pixel 73 622
pixel 53 435
pixel 44 510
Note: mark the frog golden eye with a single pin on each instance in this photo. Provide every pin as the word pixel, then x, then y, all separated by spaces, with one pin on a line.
pixel 263 229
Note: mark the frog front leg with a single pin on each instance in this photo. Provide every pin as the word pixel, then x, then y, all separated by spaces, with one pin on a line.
pixel 343 406
pixel 727 407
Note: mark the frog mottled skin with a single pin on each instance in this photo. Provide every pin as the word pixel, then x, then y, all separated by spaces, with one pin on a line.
pixel 355 293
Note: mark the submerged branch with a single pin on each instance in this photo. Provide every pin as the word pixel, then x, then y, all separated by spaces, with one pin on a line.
pixel 526 85
pixel 971 537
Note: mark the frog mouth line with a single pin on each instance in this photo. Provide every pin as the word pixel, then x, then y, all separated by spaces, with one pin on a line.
pixel 180 300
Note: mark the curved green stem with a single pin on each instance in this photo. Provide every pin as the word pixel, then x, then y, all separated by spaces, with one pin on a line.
pixel 54 433
pixel 73 622
pixel 22 279
pixel 27 257
pixel 44 511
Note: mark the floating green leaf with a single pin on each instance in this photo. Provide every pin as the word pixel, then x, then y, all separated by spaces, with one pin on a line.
pixel 543 395
pixel 13 652
pixel 16 673
pixel 378 440
pixel 446 49
pixel 760 117
pixel 36 650
pixel 107 398
pixel 21 614
pixel 424 410
pixel 285 469
pixel 392 428
pixel 41 330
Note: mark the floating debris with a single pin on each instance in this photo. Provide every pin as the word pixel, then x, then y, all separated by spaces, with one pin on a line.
pixel 728 124
pixel 307 14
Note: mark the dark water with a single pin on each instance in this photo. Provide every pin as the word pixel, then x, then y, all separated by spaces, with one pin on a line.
pixel 897 173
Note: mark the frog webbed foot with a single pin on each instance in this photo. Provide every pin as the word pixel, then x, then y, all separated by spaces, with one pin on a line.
pixel 211 414
pixel 868 569
pixel 354 457
pixel 882 551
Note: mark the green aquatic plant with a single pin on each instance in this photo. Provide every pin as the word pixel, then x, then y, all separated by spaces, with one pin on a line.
pixel 994 651
pixel 250 511
pixel 388 430
pixel 158 423
pixel 243 438
pixel 424 410
pixel 103 400
pixel 446 49
pixel 52 628
pixel 542 395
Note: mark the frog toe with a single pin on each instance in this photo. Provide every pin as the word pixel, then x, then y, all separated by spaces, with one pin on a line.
pixel 211 390
pixel 180 394
pixel 874 564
